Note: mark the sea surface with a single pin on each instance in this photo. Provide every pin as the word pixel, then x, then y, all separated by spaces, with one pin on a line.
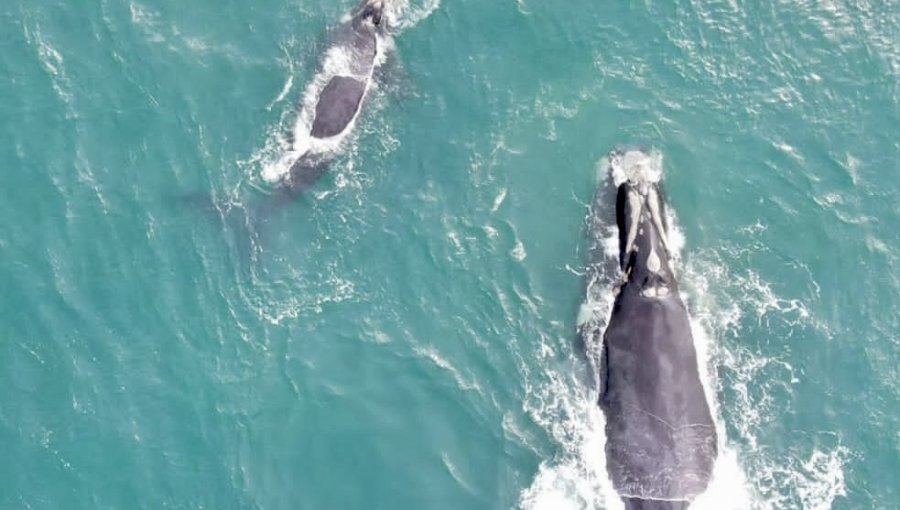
pixel 403 335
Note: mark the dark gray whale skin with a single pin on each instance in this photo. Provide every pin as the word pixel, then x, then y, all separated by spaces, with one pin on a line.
pixel 341 99
pixel 661 438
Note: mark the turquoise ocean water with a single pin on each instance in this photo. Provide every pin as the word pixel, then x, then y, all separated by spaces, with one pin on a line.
pixel 403 336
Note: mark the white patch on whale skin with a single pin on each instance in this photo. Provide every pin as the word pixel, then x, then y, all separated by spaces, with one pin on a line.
pixel 635 202
pixel 656 216
pixel 653 263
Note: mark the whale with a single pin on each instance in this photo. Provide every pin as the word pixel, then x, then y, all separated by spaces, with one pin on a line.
pixel 338 91
pixel 661 438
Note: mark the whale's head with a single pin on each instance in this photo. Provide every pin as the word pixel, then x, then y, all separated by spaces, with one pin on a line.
pixel 644 248
pixel 372 12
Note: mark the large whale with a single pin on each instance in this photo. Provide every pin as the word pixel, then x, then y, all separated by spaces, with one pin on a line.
pixel 338 93
pixel 661 438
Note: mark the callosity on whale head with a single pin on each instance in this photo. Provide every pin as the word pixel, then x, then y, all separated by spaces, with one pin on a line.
pixel 644 246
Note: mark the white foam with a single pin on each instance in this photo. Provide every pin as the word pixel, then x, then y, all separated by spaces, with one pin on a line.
pixel 455 472
pixel 288 85
pixel 822 479
pixel 439 361
pixel 785 482
pixel 635 166
pixel 52 62
pixel 518 252
pixel 577 478
pixel 406 14
pixel 310 298
pixel 498 200
pixel 148 20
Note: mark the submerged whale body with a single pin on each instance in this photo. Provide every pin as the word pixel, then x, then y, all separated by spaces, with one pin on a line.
pixel 661 438
pixel 339 103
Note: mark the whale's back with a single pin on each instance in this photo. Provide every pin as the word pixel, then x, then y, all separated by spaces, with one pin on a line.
pixel 338 104
pixel 661 439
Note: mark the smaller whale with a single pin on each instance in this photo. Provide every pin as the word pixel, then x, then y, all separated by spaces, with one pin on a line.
pixel 661 438
pixel 347 72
